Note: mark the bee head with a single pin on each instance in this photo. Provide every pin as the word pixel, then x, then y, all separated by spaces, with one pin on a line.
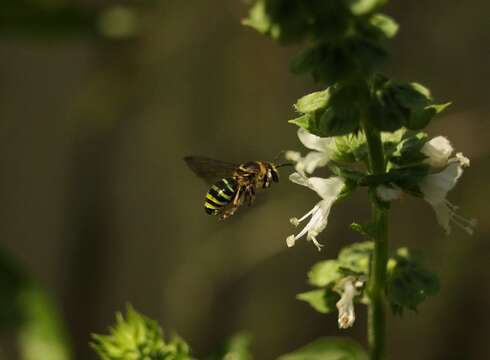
pixel 272 173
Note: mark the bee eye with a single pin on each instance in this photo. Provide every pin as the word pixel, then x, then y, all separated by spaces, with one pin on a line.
pixel 275 176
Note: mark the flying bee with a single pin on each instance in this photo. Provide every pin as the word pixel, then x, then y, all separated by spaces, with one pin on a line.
pixel 232 184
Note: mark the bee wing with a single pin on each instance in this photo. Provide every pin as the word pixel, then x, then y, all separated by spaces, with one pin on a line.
pixel 210 170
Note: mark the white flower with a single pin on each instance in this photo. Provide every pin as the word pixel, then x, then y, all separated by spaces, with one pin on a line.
pixel 387 193
pixel 328 189
pixel 435 188
pixel 438 150
pixel 348 290
pixel 314 159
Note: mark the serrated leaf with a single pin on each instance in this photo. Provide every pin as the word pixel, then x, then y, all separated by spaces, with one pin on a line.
pixel 137 337
pixel 324 273
pixel 322 300
pixel 328 348
pixel 409 282
pixel 312 102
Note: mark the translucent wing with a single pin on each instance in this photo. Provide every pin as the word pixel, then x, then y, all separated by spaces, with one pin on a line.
pixel 210 170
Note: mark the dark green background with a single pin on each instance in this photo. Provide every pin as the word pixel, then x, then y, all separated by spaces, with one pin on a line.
pixel 98 204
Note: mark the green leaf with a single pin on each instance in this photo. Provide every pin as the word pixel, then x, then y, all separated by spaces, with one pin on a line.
pixel 420 118
pixel 328 348
pixel 385 24
pixel 329 113
pixel 339 121
pixel 402 104
pixel 409 282
pixel 406 178
pixel 407 151
pixel 322 300
pixel 312 102
pixel 324 273
pixel 356 257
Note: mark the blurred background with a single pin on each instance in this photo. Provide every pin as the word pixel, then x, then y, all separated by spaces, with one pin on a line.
pixel 101 100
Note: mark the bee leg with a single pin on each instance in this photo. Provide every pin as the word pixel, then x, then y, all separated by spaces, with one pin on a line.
pixel 267 181
pixel 234 205
pixel 251 195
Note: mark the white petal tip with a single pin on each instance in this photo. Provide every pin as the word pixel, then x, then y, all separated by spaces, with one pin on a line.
pixel 292 156
pixel 346 319
pixel 463 160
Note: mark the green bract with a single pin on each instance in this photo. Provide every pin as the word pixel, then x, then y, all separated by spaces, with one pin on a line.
pixel 345 36
pixel 137 337
pixel 396 105
pixel 332 112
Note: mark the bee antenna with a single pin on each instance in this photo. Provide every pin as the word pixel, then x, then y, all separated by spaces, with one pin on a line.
pixel 281 153
pixel 284 164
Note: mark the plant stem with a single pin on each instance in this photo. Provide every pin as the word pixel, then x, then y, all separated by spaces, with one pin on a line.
pixel 377 275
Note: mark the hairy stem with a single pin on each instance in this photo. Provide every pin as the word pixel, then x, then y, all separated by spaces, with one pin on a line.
pixel 377 275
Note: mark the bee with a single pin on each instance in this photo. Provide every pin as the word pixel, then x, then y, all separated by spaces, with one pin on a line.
pixel 232 184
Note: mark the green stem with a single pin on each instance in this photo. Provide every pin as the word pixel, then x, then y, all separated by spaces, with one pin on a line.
pixel 377 276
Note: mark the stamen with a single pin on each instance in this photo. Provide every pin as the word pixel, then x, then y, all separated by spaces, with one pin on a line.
pixel 308 214
pixel 312 237
pixel 462 223
pixel 451 205
pixel 294 221
pixel 290 240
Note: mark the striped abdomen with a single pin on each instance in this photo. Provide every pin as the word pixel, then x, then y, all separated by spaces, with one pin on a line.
pixel 220 195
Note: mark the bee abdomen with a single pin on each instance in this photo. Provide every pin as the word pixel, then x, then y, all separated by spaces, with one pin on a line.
pixel 220 195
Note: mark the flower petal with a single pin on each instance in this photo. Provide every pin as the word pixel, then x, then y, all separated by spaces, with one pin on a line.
pixel 436 186
pixel 327 189
pixel 345 305
pixel 299 179
pixel 438 150
pixel 314 142
pixel 443 215
pixel 313 160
